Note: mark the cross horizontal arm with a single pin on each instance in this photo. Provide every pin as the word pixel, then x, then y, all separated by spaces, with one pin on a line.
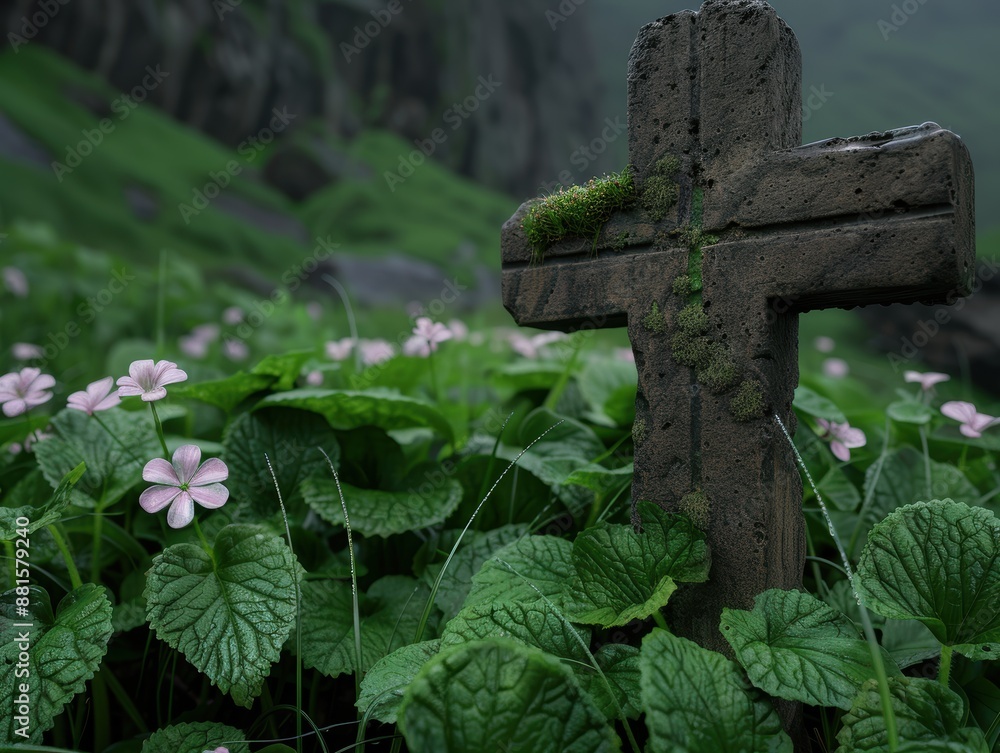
pixel 907 170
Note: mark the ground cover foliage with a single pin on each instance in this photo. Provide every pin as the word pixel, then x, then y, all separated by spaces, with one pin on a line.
pixel 488 592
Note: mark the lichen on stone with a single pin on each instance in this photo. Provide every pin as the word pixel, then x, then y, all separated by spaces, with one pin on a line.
pixel 748 402
pixel 655 321
pixel 660 189
pixel 698 508
pixel 638 431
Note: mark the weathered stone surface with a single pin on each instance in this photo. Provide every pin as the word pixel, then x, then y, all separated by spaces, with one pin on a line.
pixel 882 218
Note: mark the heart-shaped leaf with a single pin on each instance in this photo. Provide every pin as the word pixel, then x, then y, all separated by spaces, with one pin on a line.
pixel 228 611
pixel 195 738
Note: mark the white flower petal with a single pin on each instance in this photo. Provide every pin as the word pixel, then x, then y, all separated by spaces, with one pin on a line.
pixel 155 498
pixel 181 512
pixel 185 461
pixel 840 451
pixel 141 372
pixel 212 496
pixel 960 411
pixel 14 407
pixel 153 395
pixel 212 471
pixel 970 431
pixel 159 471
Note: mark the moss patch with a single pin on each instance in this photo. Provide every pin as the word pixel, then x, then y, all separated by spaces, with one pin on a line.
pixel 682 286
pixel 638 431
pixel 655 321
pixel 577 211
pixel 748 402
pixel 660 190
pixel 621 240
pixel 698 508
pixel 713 362
pixel 692 320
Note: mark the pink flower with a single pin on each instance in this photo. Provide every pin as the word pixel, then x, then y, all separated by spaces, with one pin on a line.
pixel 95 398
pixel 973 422
pixel 220 749
pixel 206 332
pixel 182 483
pixel 531 347
pixel 824 344
pixel 21 391
pixel 459 329
pixel 235 350
pixel 374 352
pixel 232 316
pixel 927 381
pixel 27 351
pixel 193 347
pixel 431 332
pixel 314 378
pixel 843 438
pixel 417 347
pixel 16 281
pixel 339 350
pixel 148 379
pixel 625 354
pixel 836 368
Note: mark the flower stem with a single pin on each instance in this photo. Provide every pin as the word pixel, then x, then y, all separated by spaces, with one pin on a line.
pixel 74 574
pixel 201 535
pixel 658 619
pixel 434 382
pixel 159 432
pixel 944 671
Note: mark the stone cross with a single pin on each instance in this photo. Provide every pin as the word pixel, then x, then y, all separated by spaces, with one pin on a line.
pixel 736 230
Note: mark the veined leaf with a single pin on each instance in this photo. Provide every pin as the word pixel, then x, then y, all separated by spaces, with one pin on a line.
pixel 500 695
pixel 697 701
pixel 936 562
pixel 928 718
pixel 63 653
pixel 624 576
pixel 35 500
pixel 544 562
pixel 793 646
pixel 195 738
pixel 385 682
pixel 228 611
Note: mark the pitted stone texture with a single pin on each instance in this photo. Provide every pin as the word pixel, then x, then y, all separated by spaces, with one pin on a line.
pixel 846 222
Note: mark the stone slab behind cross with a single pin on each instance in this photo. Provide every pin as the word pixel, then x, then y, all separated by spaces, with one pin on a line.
pixel 884 218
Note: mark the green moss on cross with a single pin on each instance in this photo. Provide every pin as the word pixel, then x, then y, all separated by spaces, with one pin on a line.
pixel 660 189
pixel 698 508
pixel 655 321
pixel 577 211
pixel 748 402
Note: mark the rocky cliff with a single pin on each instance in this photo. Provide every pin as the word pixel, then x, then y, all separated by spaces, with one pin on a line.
pixel 412 66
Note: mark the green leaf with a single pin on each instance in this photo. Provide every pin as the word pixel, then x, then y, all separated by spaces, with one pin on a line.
pixel 228 612
pixel 520 497
pixel 225 393
pixel 544 562
pixel 285 367
pixel 793 646
pixel 195 738
pixel 602 480
pixel 114 461
pixel 928 717
pixel 378 512
pixel 22 502
pixel 390 612
pixel 697 701
pixel 620 665
pixel 385 682
pixel 624 576
pixel 936 562
pixel 837 489
pixel 527 375
pixel 909 412
pixel 909 642
pixel 500 695
pixel 609 386
pixel 567 447
pixel 291 440
pixel 345 410
pixel 64 651
pixel 476 548
pixel 984 705
pixel 813 404
pixel 533 623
